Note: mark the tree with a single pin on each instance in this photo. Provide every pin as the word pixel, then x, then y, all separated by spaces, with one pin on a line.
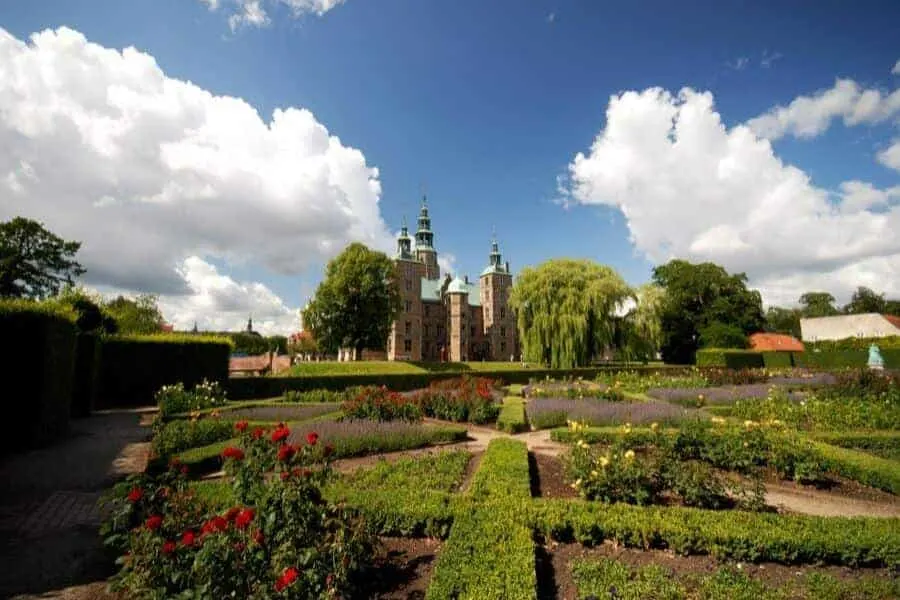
pixel 140 315
pixel 697 296
pixel 783 320
pixel 640 334
pixel 892 307
pixel 722 335
pixel 865 300
pixel 34 263
pixel 356 302
pixel 817 304
pixel 566 310
pixel 92 317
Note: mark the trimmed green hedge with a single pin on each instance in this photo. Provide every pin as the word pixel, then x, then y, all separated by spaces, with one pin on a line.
pixel 859 466
pixel 503 472
pixel 512 416
pixel 87 371
pixel 44 338
pixel 735 535
pixel 729 359
pixel 854 343
pixel 773 359
pixel 885 444
pixel 841 359
pixel 249 388
pixel 133 368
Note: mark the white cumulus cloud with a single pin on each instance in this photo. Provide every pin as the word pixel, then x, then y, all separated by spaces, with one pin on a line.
pixel 690 187
pixel 146 170
pixel 809 116
pixel 253 13
pixel 890 156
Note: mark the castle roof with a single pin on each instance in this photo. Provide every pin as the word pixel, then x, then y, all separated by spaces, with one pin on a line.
pixel 431 290
pixel 457 286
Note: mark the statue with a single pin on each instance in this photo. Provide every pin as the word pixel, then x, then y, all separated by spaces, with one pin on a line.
pixel 875 360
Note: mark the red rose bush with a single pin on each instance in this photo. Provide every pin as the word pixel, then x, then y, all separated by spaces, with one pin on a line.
pixel 282 540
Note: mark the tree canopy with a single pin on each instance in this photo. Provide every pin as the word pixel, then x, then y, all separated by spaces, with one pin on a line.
pixel 566 310
pixel 864 300
pixel 35 263
pixel 92 314
pixel 640 329
pixel 783 320
pixel 817 304
pixel 356 302
pixel 699 296
pixel 140 315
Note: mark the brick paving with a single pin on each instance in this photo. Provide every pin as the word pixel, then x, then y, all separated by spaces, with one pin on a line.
pixel 49 513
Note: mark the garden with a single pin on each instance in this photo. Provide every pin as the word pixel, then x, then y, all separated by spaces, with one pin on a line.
pixel 609 487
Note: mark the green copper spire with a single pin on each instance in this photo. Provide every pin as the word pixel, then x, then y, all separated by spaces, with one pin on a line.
pixel 424 235
pixel 404 242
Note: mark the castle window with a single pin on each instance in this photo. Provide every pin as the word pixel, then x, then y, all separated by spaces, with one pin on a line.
pixel 502 312
pixel 407 345
pixel 440 330
pixel 408 306
pixel 503 332
pixel 408 328
pixel 426 310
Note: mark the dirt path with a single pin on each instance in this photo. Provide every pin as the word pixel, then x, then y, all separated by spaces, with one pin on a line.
pixel 48 507
pixel 809 501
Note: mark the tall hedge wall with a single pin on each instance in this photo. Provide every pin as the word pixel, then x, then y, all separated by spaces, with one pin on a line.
pixel 87 371
pixel 43 336
pixel 249 388
pixel 133 368
pixel 730 359
pixel 839 359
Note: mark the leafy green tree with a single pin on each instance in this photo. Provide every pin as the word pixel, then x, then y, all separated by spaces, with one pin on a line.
pixel 865 300
pixel 35 263
pixel 356 302
pixel 566 310
pixel 892 307
pixel 722 335
pixel 783 320
pixel 698 295
pixel 92 317
pixel 640 334
pixel 140 315
pixel 817 304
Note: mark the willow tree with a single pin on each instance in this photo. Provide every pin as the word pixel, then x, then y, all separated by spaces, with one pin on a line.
pixel 641 324
pixel 566 310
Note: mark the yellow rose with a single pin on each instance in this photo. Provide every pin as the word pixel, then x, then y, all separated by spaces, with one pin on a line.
pixel 595 474
pixel 629 455
pixel 654 427
pixel 604 461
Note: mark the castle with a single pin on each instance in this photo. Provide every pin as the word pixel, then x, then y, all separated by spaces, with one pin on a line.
pixel 449 319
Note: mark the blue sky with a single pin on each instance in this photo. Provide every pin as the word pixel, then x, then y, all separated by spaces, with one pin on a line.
pixel 486 104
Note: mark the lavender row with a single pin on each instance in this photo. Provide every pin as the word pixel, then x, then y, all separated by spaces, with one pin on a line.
pixel 553 412
pixel 717 395
pixel 288 412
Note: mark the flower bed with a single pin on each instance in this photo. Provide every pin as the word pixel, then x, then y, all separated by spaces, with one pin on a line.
pixel 699 397
pixel 284 412
pixel 555 412
pixel 823 413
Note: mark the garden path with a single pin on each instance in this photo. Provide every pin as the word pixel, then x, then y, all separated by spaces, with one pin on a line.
pixel 48 505
pixel 810 501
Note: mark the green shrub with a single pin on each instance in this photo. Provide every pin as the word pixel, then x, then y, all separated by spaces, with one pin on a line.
pixel 855 343
pixel 440 472
pixel 870 470
pixel 512 416
pixel 177 436
pixel 503 472
pixel 729 358
pixel 845 358
pixel 44 339
pixel 885 444
pixel 86 378
pixel 773 359
pixel 133 368
pixel 320 396
pixel 820 413
pixel 175 399
pixel 380 404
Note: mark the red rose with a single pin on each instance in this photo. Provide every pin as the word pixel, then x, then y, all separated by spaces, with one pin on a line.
pixel 243 519
pixel 329 450
pixel 214 525
pixel 232 452
pixel 241 426
pixel 311 438
pixel 135 494
pixel 154 522
pixel 285 452
pixel 285 475
pixel 168 547
pixel 259 537
pixel 188 538
pixel 281 433
pixel 329 580
pixel 287 578
pixel 232 513
pixel 184 470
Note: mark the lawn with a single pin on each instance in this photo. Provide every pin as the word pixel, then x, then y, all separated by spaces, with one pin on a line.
pixel 377 367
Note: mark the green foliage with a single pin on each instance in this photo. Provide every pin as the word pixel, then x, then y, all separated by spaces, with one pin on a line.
pixel 463 399
pixel 616 475
pixel 606 577
pixel 864 301
pixel 87 371
pixel 845 359
pixel 730 359
pixel 639 335
pixel 380 404
pixel 641 381
pixel 783 320
pixel 817 304
pixel 44 338
pixel 441 472
pixel 34 263
pixel 133 368
pixel 565 310
pixel 885 444
pixel 774 359
pixel 137 316
pixel 512 416
pixel 698 295
pixel 503 472
pixel 870 470
pixel 91 315
pixel 854 343
pixel 176 436
pixel 723 335
pixel 356 302
pixel 175 399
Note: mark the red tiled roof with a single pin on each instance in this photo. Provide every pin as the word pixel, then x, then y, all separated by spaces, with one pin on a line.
pixel 775 341
pixel 893 320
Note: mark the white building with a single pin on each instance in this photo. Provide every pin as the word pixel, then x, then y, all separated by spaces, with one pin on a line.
pixel 841 327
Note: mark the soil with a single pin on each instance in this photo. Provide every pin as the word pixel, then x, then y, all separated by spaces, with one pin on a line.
pixel 847 499
pixel 402 569
pixel 555 579
pixel 548 477
pixel 471 467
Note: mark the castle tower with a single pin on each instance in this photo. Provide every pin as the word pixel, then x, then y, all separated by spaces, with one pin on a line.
pixel 499 322
pixel 457 320
pixel 425 251
pixel 405 339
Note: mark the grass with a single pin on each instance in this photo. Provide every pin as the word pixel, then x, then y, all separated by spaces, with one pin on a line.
pixel 598 578
pixel 376 367
pixel 512 415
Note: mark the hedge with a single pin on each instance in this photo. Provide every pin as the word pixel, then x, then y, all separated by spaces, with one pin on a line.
pixel 885 444
pixel 490 551
pixel 859 466
pixel 87 374
pixel 730 359
pixel 839 359
pixel 44 361
pixel 133 368
pixel 733 534
pixel 855 343
pixel 249 388
pixel 773 359
pixel 512 416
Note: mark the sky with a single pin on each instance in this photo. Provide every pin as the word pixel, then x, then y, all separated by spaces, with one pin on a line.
pixel 219 152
